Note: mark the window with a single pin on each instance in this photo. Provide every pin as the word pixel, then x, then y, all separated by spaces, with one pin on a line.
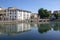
pixel 10 13
pixel 24 15
pixel 10 16
pixel 15 16
pixel 15 12
pixel 4 10
pixel 10 10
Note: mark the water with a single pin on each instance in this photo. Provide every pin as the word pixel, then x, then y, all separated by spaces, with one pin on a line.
pixel 30 31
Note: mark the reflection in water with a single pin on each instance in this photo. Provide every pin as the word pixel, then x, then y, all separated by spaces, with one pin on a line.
pixel 14 28
pixel 43 28
pixel 56 27
pixel 46 27
pixel 37 31
pixel 22 27
pixel 33 25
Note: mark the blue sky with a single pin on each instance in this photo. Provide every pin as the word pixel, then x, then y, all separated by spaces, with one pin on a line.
pixel 31 5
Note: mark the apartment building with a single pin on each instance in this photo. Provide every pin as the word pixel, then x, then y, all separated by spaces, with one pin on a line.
pixel 12 13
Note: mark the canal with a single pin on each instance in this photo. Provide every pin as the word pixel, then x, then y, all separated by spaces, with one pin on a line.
pixel 30 31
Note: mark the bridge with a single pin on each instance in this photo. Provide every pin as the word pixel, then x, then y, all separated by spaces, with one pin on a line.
pixel 39 20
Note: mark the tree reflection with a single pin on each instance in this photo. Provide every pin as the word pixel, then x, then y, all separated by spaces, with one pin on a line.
pixel 56 27
pixel 43 28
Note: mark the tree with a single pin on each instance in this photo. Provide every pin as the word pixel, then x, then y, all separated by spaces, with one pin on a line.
pixel 43 13
pixel 56 15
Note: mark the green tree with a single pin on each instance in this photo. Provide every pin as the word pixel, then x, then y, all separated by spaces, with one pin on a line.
pixel 56 15
pixel 43 13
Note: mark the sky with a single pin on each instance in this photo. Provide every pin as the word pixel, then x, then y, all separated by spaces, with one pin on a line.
pixel 31 5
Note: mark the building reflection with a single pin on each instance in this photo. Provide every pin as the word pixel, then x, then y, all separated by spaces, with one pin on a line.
pixel 14 28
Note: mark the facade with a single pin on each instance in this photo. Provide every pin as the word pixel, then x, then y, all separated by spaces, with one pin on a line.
pixel 58 12
pixel 12 13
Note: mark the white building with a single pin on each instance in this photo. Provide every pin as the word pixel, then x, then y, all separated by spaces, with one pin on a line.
pixel 17 14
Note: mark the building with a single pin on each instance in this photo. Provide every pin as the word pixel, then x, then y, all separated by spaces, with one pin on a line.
pixel 2 13
pixel 12 13
pixel 52 17
pixel 34 15
pixel 57 12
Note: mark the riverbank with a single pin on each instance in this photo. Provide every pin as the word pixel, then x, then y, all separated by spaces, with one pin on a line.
pixel 13 22
pixel 40 21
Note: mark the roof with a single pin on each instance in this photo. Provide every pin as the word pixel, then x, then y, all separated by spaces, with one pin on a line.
pixel 12 8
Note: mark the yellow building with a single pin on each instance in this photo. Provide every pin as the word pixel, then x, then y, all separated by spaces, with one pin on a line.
pixel 34 15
